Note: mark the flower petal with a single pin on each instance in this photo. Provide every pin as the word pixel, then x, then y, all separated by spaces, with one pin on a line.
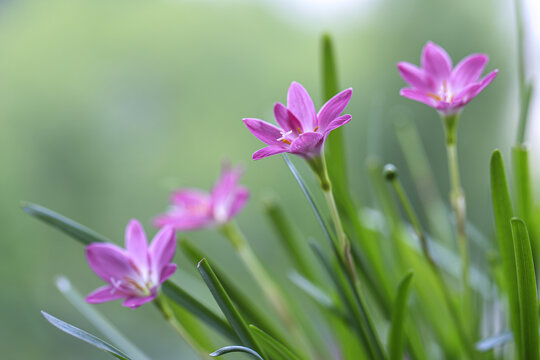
pixel 264 131
pixel 223 193
pixel 415 77
pixel 308 145
pixel 301 105
pixel 162 249
pixel 468 71
pixel 333 108
pixel 269 151
pixel 190 198
pixel 466 94
pixel 183 221
pixel 104 294
pixel 340 121
pixel 286 119
pixel 418 95
pixel 134 302
pixel 436 62
pixel 136 244
pixel 486 80
pixel 166 272
pixel 240 200
pixel 109 261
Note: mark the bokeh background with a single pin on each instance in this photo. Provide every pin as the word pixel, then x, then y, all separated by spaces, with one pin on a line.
pixel 108 105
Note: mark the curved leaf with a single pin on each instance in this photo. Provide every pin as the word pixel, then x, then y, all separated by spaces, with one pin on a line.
pixel 84 336
pixel 230 349
pixel 273 347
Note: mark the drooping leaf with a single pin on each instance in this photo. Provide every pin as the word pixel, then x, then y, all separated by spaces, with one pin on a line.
pixel 396 335
pixel 84 336
pixel 275 349
pixel 231 349
pixel 99 321
pixel 526 284
pixel 64 224
pixel 503 211
pixel 227 307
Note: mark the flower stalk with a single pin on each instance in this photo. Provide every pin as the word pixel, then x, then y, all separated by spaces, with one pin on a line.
pixel 318 165
pixel 272 292
pixel 391 175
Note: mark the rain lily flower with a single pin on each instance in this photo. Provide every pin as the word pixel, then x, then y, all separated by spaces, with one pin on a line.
pixel 439 85
pixel 133 274
pixel 194 209
pixel 301 131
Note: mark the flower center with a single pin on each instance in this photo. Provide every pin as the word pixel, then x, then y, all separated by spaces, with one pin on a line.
pixel 444 93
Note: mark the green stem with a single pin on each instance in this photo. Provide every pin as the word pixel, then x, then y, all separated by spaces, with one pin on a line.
pixel 525 90
pixel 318 165
pixel 459 207
pixel 162 304
pixel 269 287
pixel 391 175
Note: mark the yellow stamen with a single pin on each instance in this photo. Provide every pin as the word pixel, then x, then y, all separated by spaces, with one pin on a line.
pixel 286 141
pixel 299 131
pixel 316 127
pixel 136 285
pixel 434 96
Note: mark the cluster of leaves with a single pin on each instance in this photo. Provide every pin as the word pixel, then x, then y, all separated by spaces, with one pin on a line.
pixel 403 302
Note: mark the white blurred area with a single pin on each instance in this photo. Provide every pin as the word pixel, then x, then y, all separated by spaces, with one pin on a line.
pixel 320 14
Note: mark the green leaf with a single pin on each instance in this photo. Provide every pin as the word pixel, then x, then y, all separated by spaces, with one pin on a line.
pixel 290 238
pixel 230 349
pixel 84 336
pixel 252 312
pixel 227 307
pixel 99 321
pixel 526 281
pixel 396 334
pixel 62 223
pixel 188 302
pixel 503 211
pixel 334 147
pixel 274 348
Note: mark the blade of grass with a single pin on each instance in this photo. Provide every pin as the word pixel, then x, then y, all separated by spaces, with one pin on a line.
pixel 396 335
pixel 99 321
pixel 252 312
pixel 526 283
pixel 503 211
pixel 274 348
pixel 227 307
pixel 84 336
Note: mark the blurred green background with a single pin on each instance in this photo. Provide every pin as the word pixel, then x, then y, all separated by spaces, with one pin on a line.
pixel 108 105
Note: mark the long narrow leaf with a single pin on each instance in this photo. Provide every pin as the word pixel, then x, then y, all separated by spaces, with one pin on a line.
pixel 252 312
pixel 231 349
pixel 503 211
pixel 274 348
pixel 85 336
pixel 396 335
pixel 227 307
pixel 185 300
pixel 526 281
pixel 99 321
pixel 64 224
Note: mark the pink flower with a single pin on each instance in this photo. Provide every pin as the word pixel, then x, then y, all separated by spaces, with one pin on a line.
pixel 302 131
pixel 441 87
pixel 136 272
pixel 194 209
